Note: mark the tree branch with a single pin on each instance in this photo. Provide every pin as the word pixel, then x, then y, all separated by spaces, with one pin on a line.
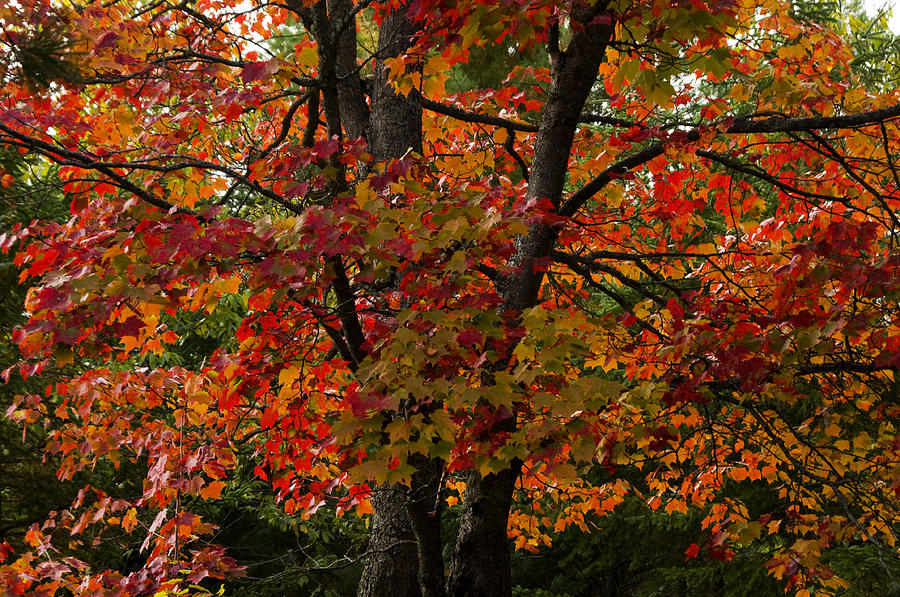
pixel 474 117
pixel 577 199
pixel 510 147
pixel 777 124
pixel 738 126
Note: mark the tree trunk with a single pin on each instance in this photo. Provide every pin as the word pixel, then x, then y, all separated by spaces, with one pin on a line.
pixel 404 558
pixel 392 564
pixel 352 100
pixel 424 507
pixel 480 566
pixel 395 125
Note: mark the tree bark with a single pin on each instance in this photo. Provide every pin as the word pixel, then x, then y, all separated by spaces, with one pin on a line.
pixel 403 557
pixel 352 100
pixel 392 564
pixel 424 507
pixel 480 565
pixel 395 124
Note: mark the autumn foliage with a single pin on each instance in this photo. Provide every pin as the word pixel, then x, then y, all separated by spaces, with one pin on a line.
pixel 662 241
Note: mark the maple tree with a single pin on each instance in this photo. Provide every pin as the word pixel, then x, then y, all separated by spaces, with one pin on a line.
pixel 663 242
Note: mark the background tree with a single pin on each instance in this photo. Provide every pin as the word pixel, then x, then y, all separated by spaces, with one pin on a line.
pixel 24 473
pixel 611 262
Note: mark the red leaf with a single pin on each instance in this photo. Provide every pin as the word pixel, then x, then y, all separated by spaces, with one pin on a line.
pixel 107 40
pixel 6 550
pixel 326 147
pixel 675 308
pixel 721 553
pixel 253 71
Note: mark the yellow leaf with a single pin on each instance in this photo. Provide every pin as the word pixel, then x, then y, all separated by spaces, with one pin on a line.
pixel 435 85
pixel 150 309
pixel 189 193
pixel 364 195
pixel 213 491
pixel 740 92
pixel 307 57
pixel 231 285
pixel 436 65
pixel 288 375
pixel 406 83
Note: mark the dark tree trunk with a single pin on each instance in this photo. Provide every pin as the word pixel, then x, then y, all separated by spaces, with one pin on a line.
pixel 395 125
pixel 424 507
pixel 480 566
pixel 404 553
pixel 404 557
pixel 352 100
pixel 392 564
